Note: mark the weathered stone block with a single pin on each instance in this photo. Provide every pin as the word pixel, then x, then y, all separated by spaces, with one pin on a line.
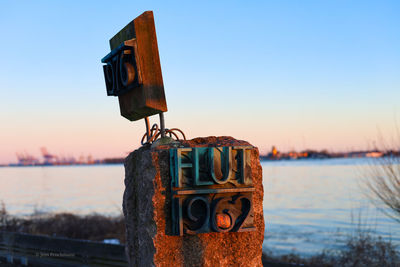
pixel 147 210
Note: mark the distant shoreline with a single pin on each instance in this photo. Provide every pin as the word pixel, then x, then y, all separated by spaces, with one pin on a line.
pixel 262 158
pixel 61 165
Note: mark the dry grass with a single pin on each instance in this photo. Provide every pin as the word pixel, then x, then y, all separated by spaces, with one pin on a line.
pixel 361 249
pixel 93 227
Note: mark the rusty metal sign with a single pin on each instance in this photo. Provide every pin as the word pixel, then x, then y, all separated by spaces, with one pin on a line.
pixel 132 69
pixel 132 72
pixel 211 189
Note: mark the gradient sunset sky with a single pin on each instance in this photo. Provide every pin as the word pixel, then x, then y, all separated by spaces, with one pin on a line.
pixel 294 74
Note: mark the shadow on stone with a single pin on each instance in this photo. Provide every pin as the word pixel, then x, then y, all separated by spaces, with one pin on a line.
pixel 192 250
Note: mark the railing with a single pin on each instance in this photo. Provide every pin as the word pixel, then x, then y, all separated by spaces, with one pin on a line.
pixel 37 250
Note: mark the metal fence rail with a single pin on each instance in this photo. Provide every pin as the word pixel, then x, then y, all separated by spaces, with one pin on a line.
pixel 37 250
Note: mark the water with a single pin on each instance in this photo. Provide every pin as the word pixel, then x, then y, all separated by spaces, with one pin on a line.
pixel 314 205
pixel 76 189
pixel 309 205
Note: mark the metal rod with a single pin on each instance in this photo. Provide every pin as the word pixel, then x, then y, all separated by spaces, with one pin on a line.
pixel 146 119
pixel 162 125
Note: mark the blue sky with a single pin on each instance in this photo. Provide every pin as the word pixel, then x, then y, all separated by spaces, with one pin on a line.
pixel 295 74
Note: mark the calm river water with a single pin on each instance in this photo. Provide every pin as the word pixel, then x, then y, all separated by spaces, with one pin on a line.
pixel 309 205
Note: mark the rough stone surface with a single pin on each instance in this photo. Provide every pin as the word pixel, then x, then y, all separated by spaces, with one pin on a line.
pixel 147 213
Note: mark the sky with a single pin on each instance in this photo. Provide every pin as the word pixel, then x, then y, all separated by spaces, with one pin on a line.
pixel 294 74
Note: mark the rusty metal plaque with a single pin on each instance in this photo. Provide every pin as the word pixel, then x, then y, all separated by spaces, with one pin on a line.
pixel 132 69
pixel 211 189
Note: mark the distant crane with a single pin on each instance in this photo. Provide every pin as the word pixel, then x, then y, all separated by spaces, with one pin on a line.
pixel 25 159
pixel 49 159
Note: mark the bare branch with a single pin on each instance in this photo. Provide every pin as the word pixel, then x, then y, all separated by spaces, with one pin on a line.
pixel 383 182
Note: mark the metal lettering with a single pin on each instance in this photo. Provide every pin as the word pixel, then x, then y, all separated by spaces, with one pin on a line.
pixel 226 165
pixel 211 192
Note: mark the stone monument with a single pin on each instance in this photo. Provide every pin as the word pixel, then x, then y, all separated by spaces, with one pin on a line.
pixel 186 202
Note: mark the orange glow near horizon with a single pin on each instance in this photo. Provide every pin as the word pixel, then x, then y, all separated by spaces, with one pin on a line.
pixel 122 137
